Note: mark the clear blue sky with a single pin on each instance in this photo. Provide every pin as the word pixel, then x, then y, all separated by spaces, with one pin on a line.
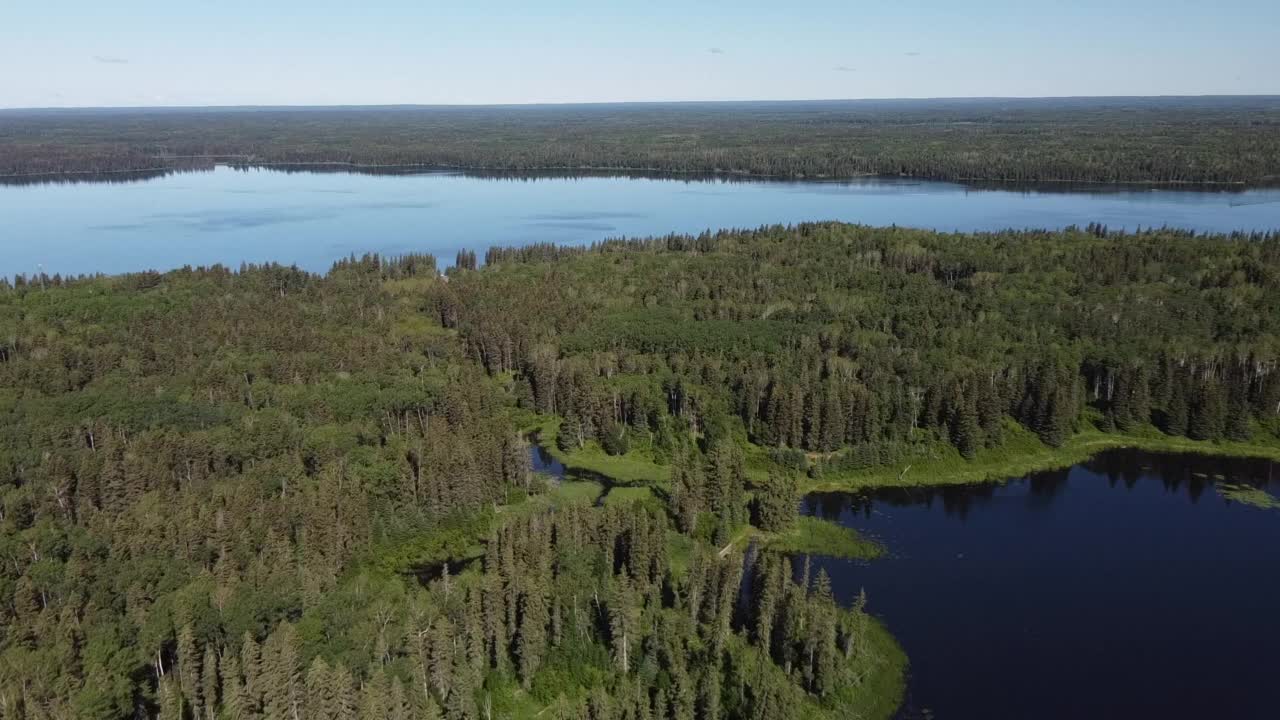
pixel 232 52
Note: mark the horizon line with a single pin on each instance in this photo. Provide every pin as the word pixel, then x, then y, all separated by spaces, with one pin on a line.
pixel 590 103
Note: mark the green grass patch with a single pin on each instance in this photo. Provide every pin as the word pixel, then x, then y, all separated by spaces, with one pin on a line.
pixel 632 468
pixel 456 538
pixel 1023 453
pixel 679 549
pixel 582 493
pixel 621 496
pixel 1248 495
pixel 815 536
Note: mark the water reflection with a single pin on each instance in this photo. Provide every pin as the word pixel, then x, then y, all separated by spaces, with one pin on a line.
pixel 541 461
pixel 1188 475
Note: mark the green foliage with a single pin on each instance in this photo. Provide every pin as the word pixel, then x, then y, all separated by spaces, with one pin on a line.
pixel 273 493
pixel 775 505
pixel 657 330
pixel 878 341
pixel 1248 495
pixel 809 535
pixel 1175 140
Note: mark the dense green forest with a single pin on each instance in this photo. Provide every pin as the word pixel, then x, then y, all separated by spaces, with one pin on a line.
pixel 1165 140
pixel 834 348
pixel 271 494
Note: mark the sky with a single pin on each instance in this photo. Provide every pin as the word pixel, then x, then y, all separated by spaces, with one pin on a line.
pixel 91 53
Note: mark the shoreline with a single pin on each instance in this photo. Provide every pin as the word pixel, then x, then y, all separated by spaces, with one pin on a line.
pixel 553 171
pixel 1079 449
pixel 1022 454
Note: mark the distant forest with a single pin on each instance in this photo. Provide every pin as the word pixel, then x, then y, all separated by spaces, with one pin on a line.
pixel 1230 140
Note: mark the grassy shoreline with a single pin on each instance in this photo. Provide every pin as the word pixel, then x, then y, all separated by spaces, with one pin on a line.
pixel 628 469
pixel 810 535
pixel 1021 453
pixel 1024 454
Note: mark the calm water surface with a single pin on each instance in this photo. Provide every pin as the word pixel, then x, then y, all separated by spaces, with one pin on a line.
pixel 311 219
pixel 1126 587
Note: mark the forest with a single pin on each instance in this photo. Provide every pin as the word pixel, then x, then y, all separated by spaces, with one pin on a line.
pixel 832 348
pixel 260 493
pixel 1226 140
pixel 267 494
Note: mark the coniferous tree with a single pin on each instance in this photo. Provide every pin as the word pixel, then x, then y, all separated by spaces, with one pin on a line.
pixel 1236 425
pixel 1207 416
pixel 209 683
pixel 251 699
pixel 965 430
pixel 398 706
pixel 231 686
pixel 282 679
pixel 321 701
pixel 1176 414
pixel 189 668
pixel 776 506
pixel 623 620
pixel 532 639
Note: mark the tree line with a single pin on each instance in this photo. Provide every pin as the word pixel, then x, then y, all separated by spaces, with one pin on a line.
pixel 852 346
pixel 1090 140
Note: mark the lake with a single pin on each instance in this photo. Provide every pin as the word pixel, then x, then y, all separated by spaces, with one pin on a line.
pixel 1124 587
pixel 231 216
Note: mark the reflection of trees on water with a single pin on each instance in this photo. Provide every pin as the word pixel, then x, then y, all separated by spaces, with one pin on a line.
pixel 956 500
pixel 1044 487
pixel 830 506
pixel 96 178
pixel 1177 473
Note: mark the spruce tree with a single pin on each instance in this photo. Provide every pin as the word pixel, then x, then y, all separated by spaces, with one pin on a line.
pixel 776 506
pixel 1207 418
pixel 189 667
pixel 251 699
pixel 232 686
pixel 1177 412
pixel 532 640
pixel 965 430
pixel 1238 416
pixel 282 681
pixel 209 682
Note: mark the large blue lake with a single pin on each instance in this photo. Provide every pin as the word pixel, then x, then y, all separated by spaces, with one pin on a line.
pixel 231 216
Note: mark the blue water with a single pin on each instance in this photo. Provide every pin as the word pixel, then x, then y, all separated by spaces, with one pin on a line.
pixel 231 216
pixel 1125 587
pixel 543 462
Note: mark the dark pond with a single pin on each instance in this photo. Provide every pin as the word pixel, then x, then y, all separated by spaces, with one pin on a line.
pixel 1125 587
pixel 231 216
pixel 541 461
